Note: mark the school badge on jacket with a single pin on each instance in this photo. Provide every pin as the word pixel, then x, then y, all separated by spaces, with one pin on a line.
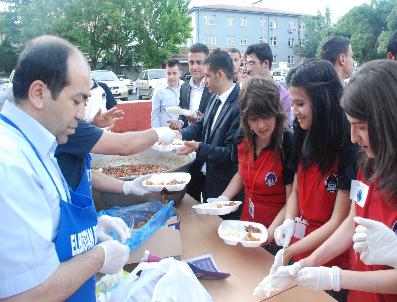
pixel 331 183
pixel 271 179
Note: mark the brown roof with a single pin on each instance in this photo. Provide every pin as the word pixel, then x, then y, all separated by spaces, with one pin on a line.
pixel 244 8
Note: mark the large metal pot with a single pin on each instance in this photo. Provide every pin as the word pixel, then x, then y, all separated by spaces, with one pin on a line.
pixel 175 163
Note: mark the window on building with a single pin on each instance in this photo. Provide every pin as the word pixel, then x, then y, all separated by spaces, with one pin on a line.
pixel 273 23
pixel 273 41
pixel 291 42
pixel 301 42
pixel 230 21
pixel 243 42
pixel 291 60
pixel 210 40
pixel 262 22
pixel 243 22
pixel 302 26
pixel 230 40
pixel 209 20
pixel 261 40
pixel 274 59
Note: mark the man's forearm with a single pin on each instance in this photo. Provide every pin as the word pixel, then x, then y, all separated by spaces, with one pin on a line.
pixel 126 143
pixel 105 183
pixel 67 279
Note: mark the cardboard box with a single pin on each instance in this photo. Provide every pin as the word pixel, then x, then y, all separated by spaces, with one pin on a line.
pixel 165 242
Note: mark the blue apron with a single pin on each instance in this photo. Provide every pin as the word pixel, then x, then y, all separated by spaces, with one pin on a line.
pixel 76 231
pixel 84 186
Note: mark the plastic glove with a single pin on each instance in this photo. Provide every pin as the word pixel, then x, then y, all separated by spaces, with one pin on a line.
pixel 284 233
pixel 166 135
pixel 217 199
pixel 116 256
pixel 376 242
pixel 278 261
pixel 320 278
pixel 283 278
pixel 108 224
pixel 135 186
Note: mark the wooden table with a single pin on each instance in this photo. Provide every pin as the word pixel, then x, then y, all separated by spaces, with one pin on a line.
pixel 247 266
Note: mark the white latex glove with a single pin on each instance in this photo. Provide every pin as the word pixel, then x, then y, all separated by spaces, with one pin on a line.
pixel 166 135
pixel 217 199
pixel 282 279
pixel 278 261
pixel 116 256
pixel 283 233
pixel 320 278
pixel 376 242
pixel 135 186
pixel 107 223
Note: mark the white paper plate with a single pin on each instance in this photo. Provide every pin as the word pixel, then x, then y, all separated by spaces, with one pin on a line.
pixel 216 208
pixel 180 111
pixel 233 232
pixel 176 145
pixel 160 181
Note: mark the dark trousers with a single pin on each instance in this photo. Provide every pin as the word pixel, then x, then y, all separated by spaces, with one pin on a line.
pixel 197 183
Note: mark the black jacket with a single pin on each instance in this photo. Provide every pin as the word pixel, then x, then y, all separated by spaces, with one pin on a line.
pixel 217 151
pixel 184 100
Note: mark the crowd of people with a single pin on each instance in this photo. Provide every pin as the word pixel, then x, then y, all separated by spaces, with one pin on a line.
pixel 314 162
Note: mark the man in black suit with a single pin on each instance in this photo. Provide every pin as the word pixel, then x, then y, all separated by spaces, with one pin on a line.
pixel 194 95
pixel 212 136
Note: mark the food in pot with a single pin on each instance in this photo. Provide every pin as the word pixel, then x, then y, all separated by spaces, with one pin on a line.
pixel 138 169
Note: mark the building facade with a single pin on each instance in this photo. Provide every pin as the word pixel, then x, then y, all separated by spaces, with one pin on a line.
pixel 227 26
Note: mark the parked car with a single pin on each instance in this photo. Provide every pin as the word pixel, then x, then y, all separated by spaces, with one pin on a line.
pixel 280 75
pixel 149 80
pixel 128 82
pixel 117 87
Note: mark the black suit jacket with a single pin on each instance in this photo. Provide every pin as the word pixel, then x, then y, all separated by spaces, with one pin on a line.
pixel 217 145
pixel 184 100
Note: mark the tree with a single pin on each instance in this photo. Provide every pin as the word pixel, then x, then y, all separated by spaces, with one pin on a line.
pixel 317 30
pixel 162 26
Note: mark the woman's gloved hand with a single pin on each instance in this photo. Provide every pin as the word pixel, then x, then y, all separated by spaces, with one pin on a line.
pixel 108 224
pixel 284 233
pixel 376 242
pixel 320 278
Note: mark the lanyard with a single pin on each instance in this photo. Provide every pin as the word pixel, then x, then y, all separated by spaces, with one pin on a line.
pixel 12 124
pixel 256 175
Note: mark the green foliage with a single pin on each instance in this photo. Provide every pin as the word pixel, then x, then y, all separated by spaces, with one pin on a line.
pixel 317 30
pixel 111 32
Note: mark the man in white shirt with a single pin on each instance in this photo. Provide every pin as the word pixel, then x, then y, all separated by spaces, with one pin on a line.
pixel 194 94
pixel 51 87
pixel 167 96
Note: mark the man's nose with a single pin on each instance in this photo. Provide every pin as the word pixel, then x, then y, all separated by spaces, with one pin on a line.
pixel 80 114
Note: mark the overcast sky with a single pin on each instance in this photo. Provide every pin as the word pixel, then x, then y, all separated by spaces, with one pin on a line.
pixel 338 7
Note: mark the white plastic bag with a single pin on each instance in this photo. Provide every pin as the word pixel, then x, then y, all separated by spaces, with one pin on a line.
pixel 168 280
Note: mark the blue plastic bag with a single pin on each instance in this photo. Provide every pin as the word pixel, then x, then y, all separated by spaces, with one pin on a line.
pixel 161 213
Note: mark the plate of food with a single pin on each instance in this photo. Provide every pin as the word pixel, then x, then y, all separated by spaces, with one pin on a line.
pixel 217 208
pixel 176 145
pixel 247 233
pixel 173 182
pixel 180 111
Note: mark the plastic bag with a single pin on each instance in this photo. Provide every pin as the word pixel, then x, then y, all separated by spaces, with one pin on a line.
pixel 161 213
pixel 168 280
